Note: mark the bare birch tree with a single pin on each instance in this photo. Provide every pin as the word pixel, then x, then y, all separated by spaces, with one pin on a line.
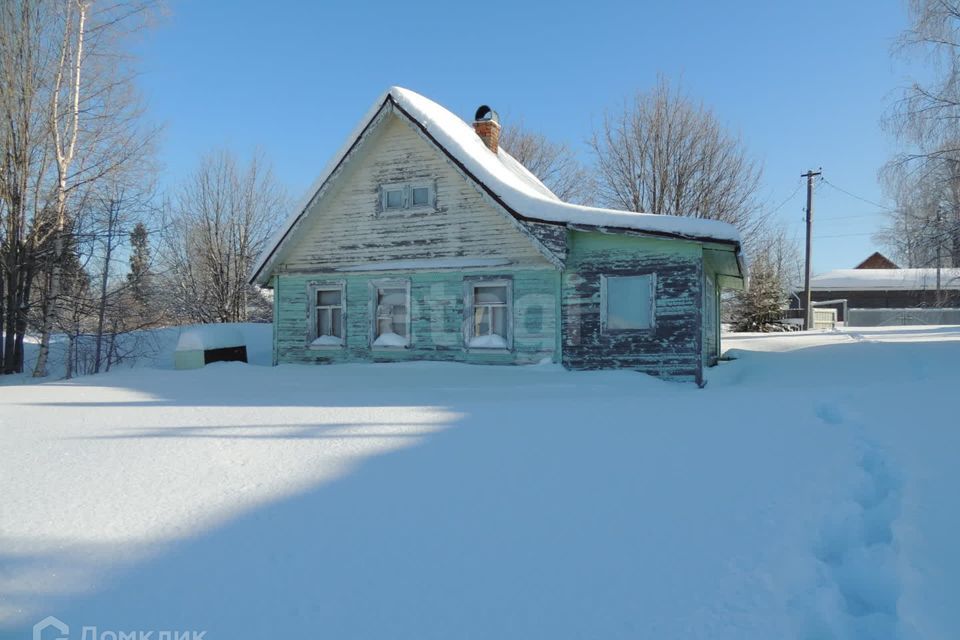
pixel 918 230
pixel 94 123
pixel 924 178
pixel 26 31
pixel 664 153
pixel 220 221
pixel 65 127
pixel 69 117
pixel 554 163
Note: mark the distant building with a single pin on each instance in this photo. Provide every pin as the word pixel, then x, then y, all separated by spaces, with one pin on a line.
pixel 878 283
pixel 877 261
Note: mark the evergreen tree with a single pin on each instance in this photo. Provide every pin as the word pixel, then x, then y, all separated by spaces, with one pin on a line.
pixel 760 306
pixel 140 277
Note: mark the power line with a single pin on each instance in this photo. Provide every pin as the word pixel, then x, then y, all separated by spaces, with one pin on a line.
pixel 853 195
pixel 840 218
pixel 788 199
pixel 846 235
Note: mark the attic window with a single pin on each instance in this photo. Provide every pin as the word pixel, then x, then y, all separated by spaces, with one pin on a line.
pixel 393 199
pixel 402 197
pixel 420 196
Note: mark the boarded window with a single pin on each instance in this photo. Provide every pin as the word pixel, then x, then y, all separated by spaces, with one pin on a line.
pixel 627 302
pixel 533 319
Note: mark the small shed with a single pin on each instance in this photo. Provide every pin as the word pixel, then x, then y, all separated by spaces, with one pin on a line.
pixel 200 345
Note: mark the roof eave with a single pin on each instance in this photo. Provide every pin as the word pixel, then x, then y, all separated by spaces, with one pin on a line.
pixel 262 268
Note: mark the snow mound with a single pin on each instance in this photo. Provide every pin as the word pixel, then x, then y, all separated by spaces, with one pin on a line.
pixel 491 341
pixel 390 339
pixel 210 336
pixel 327 341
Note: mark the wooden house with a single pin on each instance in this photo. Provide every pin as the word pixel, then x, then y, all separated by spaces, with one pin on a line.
pixel 422 239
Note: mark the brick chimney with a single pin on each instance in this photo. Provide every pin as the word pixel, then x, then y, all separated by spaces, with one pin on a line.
pixel 486 123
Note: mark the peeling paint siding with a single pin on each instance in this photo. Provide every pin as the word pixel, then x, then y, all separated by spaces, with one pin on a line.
pixel 711 318
pixel 347 229
pixel 437 318
pixel 553 236
pixel 673 348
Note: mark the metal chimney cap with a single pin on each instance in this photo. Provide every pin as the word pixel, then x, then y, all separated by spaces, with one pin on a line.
pixel 485 113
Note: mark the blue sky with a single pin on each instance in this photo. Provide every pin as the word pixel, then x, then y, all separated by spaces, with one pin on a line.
pixel 804 84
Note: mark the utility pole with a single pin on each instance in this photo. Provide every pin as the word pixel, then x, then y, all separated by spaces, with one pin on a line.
pixel 808 308
pixel 939 232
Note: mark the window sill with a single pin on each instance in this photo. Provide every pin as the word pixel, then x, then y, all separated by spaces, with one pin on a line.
pixel 628 332
pixel 497 350
pixel 325 347
pixel 390 213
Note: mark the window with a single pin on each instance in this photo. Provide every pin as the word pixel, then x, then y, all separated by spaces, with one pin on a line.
pixel 327 321
pixel 400 197
pixel 391 314
pixel 420 197
pixel 393 199
pixel 489 313
pixel 627 303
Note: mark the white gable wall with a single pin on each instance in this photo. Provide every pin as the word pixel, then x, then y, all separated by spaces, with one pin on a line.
pixel 345 229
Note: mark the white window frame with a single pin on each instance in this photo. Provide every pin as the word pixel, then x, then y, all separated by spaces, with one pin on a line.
pixel 406 200
pixel 314 287
pixel 385 190
pixel 375 287
pixel 469 292
pixel 604 298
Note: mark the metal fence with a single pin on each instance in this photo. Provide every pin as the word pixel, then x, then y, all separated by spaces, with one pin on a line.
pixel 898 317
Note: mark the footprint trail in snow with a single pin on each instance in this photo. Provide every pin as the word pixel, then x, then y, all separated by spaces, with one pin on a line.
pixel 859 581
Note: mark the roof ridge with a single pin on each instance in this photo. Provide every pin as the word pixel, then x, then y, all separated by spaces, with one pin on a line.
pixel 519 192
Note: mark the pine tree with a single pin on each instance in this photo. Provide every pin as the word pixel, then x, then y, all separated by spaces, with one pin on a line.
pixel 140 277
pixel 760 306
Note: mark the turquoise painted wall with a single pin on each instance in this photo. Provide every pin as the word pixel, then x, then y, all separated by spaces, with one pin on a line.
pixel 437 318
pixel 672 348
pixel 711 318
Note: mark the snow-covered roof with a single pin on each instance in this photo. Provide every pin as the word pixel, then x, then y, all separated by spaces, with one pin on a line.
pixel 210 336
pixel 503 178
pixel 885 279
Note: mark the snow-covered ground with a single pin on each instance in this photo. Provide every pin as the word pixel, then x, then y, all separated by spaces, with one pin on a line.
pixel 154 348
pixel 809 491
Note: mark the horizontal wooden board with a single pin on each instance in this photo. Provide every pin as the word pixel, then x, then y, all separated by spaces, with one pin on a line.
pixel 437 318
pixel 673 347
